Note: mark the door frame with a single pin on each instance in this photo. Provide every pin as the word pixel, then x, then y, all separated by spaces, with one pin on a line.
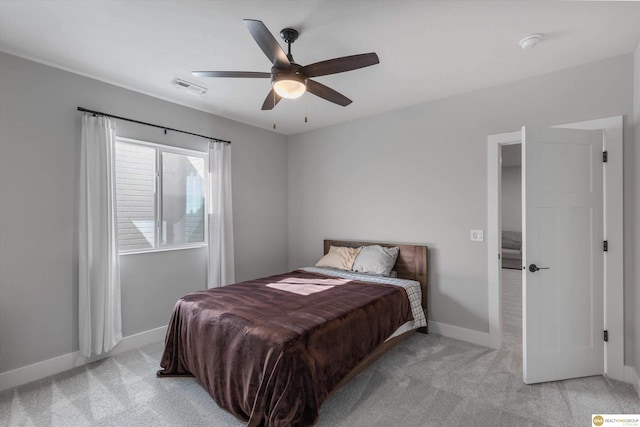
pixel 613 233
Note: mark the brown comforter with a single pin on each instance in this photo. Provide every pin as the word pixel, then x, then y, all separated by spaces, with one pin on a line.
pixel 271 356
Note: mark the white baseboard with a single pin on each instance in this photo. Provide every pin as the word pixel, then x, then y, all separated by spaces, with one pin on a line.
pixel 49 367
pixel 631 376
pixel 462 334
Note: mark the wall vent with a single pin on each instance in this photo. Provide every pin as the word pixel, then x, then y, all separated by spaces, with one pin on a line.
pixel 191 88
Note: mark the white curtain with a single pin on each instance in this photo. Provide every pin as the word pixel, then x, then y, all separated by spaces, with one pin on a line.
pixel 221 262
pixel 99 268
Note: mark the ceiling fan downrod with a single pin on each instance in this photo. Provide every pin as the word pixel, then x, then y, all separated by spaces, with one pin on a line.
pixel 289 35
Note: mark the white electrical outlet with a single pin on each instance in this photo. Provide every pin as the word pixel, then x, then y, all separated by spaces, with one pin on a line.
pixel 477 235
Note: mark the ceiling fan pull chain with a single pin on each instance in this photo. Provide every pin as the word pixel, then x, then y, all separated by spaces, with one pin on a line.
pixel 306 108
pixel 274 110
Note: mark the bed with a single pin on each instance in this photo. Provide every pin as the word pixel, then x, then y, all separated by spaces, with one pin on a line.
pixel 272 350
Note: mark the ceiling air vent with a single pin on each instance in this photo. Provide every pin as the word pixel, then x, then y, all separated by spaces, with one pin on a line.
pixel 191 88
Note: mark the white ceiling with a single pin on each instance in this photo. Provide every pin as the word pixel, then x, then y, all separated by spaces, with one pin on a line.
pixel 427 49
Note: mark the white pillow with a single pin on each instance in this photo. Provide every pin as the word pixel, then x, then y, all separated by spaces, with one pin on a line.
pixel 339 257
pixel 376 259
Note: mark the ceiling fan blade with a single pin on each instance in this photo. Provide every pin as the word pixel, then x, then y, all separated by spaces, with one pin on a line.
pixel 238 74
pixel 271 100
pixel 318 89
pixel 267 43
pixel 340 65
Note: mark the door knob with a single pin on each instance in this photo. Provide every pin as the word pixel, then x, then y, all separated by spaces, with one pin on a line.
pixel 533 268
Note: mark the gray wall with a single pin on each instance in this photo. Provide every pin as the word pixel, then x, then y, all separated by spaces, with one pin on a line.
pixel 419 175
pixel 634 204
pixel 512 198
pixel 39 155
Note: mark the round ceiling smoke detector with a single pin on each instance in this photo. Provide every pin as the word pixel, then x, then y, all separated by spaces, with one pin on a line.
pixel 530 41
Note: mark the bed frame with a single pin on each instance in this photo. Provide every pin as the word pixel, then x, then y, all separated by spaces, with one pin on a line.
pixel 411 264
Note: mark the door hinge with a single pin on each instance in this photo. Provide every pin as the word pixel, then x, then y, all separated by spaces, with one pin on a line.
pixel 606 336
pixel 605 246
pixel 605 157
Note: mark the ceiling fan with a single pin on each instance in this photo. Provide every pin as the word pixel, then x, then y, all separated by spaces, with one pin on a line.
pixel 291 80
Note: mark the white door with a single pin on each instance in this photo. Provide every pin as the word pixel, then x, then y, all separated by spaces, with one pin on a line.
pixel 562 212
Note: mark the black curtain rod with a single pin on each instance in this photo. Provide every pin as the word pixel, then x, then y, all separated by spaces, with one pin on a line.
pixel 98 113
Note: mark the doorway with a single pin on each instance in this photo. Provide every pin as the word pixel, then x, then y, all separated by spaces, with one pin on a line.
pixel 511 247
pixel 613 282
pixel 511 206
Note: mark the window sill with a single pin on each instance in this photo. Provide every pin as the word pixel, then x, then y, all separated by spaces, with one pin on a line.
pixel 165 249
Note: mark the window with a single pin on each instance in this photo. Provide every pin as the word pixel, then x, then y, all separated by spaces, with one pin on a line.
pixel 160 196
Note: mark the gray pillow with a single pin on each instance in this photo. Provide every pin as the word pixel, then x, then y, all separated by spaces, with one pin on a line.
pixel 376 259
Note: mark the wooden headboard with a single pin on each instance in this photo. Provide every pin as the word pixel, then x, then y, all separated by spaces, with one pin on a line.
pixel 411 263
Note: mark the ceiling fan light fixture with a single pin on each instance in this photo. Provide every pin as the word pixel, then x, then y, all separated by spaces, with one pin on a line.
pixel 290 86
